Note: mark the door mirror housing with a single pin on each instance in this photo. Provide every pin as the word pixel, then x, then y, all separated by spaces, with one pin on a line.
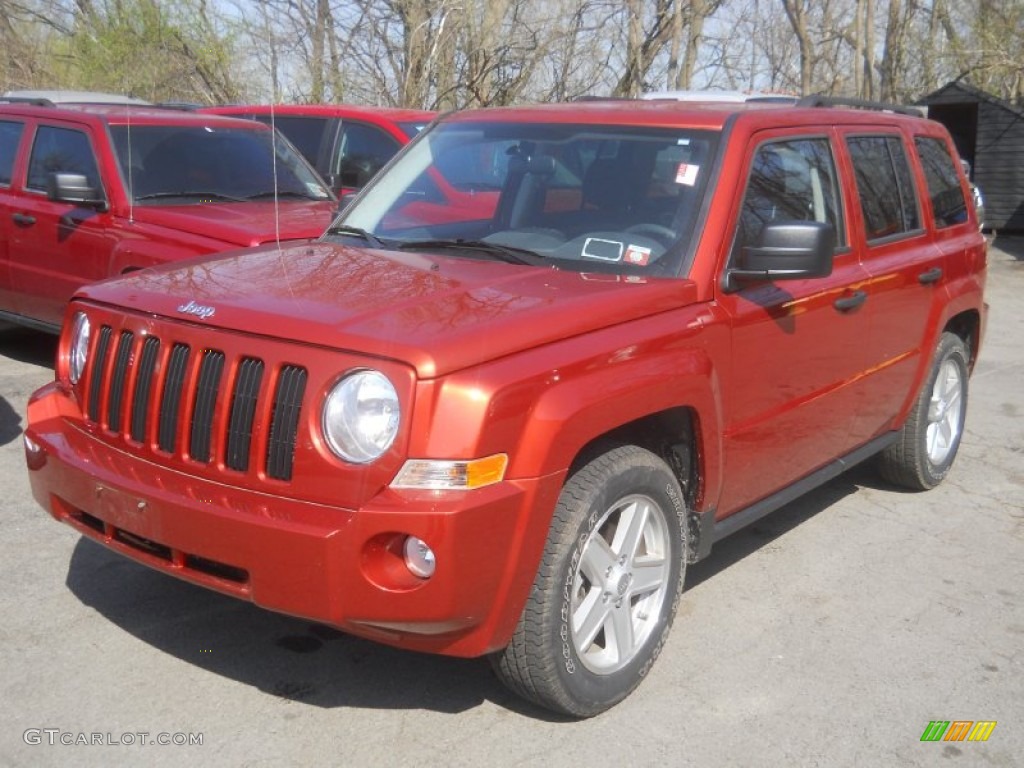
pixel 786 250
pixel 74 188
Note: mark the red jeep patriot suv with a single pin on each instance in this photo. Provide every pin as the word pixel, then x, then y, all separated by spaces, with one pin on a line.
pixel 89 191
pixel 504 427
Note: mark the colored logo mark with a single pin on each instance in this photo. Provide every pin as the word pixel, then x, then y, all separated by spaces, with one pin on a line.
pixel 958 730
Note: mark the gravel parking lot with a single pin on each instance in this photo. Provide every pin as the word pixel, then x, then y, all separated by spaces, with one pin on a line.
pixel 831 633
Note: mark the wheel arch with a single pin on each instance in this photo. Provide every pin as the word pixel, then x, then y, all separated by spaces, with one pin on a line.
pixel 674 435
pixel 670 434
pixel 967 325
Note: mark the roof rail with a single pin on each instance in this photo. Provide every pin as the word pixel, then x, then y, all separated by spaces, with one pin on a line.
pixel 588 97
pixel 847 101
pixel 182 106
pixel 32 101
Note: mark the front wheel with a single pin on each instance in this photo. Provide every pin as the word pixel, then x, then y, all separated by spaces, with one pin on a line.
pixel 607 588
pixel 928 442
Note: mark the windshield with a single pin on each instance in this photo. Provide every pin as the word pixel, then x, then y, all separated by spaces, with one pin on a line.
pixel 592 198
pixel 164 164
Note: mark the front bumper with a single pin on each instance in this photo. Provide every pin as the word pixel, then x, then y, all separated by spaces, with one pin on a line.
pixel 339 566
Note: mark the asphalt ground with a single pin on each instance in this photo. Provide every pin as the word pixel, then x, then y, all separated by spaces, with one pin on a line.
pixel 831 633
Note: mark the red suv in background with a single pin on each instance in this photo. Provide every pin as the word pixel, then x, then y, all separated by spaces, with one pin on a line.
pixel 91 191
pixel 346 144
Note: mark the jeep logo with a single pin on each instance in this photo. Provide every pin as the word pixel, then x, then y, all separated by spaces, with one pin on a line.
pixel 197 309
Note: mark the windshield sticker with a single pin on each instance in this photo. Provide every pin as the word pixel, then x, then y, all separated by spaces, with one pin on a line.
pixel 637 254
pixel 605 250
pixel 687 174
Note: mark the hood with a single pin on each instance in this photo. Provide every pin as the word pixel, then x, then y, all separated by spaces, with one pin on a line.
pixel 243 224
pixel 437 314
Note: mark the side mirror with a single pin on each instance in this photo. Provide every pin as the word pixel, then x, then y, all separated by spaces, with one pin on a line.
pixel 786 250
pixel 73 188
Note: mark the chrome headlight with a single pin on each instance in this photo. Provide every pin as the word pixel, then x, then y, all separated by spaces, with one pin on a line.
pixel 79 349
pixel 361 416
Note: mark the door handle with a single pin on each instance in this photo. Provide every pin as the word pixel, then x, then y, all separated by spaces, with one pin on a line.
pixel 23 220
pixel 852 301
pixel 933 275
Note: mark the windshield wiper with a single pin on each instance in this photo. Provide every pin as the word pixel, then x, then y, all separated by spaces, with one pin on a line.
pixel 506 253
pixel 362 234
pixel 290 193
pixel 190 193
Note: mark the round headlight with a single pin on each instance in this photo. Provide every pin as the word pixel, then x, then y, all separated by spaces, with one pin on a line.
pixel 361 416
pixel 79 350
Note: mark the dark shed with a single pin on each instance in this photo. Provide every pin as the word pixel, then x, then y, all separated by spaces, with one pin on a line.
pixel 989 133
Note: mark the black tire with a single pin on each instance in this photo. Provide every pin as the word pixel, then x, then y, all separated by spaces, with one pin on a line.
pixel 928 442
pixel 635 599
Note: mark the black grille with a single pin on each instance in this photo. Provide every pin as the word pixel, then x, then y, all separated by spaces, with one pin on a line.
pixel 115 402
pixel 143 388
pixel 170 403
pixel 194 400
pixel 291 386
pixel 243 409
pixel 99 372
pixel 206 400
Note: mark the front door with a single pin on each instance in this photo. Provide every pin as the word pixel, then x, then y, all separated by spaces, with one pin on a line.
pixel 799 346
pixel 57 247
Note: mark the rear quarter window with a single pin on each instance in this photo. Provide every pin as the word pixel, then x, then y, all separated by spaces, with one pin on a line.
pixel 949 206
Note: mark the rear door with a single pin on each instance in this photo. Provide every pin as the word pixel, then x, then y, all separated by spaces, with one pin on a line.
pixel 905 267
pixel 798 345
pixel 57 247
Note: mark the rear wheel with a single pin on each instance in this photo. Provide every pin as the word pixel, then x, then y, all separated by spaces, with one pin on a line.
pixel 607 588
pixel 928 442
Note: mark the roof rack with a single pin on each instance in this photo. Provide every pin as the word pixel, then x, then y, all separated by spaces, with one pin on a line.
pixel 30 100
pixel 846 101
pixel 719 96
pixel 588 97
pixel 181 106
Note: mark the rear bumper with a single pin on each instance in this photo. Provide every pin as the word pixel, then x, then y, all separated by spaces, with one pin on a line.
pixel 340 566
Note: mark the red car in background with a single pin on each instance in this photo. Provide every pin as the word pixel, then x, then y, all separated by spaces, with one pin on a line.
pixel 346 144
pixel 89 191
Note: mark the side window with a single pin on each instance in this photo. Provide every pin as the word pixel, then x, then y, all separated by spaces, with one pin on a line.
pixel 364 151
pixel 61 150
pixel 306 133
pixel 10 136
pixel 791 180
pixel 885 186
pixel 949 206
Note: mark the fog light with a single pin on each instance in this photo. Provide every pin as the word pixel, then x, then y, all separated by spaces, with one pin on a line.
pixel 419 558
pixel 31 445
